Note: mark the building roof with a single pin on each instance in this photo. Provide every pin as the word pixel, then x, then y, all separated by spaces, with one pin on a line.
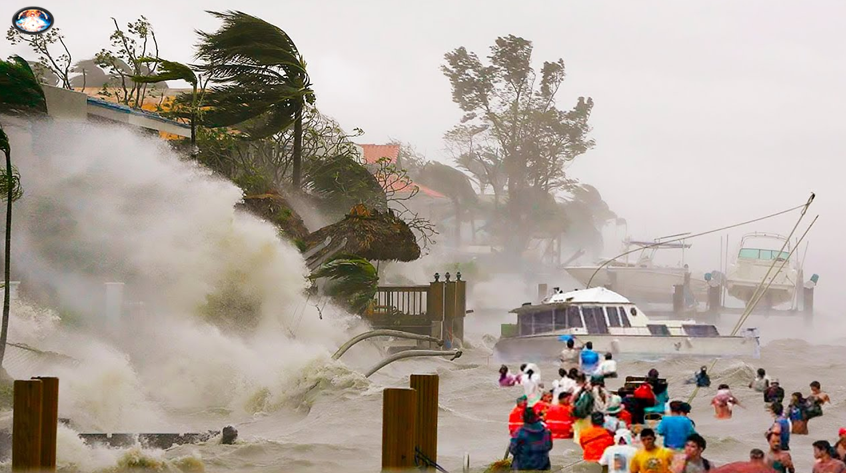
pixel 373 153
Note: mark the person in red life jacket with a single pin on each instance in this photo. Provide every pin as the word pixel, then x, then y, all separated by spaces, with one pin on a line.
pixel 515 419
pixel 595 439
pixel 559 418
pixel 542 406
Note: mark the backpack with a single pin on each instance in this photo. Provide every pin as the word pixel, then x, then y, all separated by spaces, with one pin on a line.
pixel 583 407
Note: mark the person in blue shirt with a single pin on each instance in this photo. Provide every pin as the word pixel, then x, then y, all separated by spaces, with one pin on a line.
pixel 781 426
pixel 675 428
pixel 588 359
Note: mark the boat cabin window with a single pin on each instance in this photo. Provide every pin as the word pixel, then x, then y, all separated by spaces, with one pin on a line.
pixel 613 317
pixel 560 319
pixel 701 330
pixel 595 319
pixel 624 318
pixel 754 253
pixel 660 330
pixel 574 319
pixel 542 322
pixel 525 322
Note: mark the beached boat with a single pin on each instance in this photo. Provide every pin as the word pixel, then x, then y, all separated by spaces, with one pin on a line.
pixel 644 280
pixel 614 324
pixel 755 257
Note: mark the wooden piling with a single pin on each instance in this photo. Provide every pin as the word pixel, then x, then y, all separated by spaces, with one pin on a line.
pixel 678 298
pixel 399 416
pixel 426 437
pixel 49 422
pixel 435 308
pixel 714 295
pixel 808 302
pixel 26 425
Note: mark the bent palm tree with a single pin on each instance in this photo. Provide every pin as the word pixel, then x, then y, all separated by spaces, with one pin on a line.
pixel 260 80
pixel 170 70
pixel 354 281
pixel 20 93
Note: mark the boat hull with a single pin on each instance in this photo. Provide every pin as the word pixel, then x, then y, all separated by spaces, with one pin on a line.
pixel 774 296
pixel 547 347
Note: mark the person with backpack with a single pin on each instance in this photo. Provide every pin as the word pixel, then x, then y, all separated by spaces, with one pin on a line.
pixel 583 406
pixel 693 462
pixel 531 446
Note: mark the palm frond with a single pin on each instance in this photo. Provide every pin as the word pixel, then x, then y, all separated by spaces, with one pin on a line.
pixel 168 70
pixel 354 280
pixel 17 189
pixel 20 92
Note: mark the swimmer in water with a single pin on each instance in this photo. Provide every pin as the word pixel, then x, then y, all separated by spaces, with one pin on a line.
pixel 507 379
pixel 723 402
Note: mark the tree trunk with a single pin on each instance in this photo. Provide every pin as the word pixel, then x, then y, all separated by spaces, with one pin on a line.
pixel 194 122
pixel 4 330
pixel 298 148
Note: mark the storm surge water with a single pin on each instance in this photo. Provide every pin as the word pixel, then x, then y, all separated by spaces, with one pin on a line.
pixel 226 331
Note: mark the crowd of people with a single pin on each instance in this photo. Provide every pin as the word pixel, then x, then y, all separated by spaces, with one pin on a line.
pixel 608 424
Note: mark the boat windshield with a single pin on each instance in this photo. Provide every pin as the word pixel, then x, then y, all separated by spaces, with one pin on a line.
pixel 754 253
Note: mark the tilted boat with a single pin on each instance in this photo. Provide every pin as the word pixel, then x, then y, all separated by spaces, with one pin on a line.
pixel 757 253
pixel 644 280
pixel 614 324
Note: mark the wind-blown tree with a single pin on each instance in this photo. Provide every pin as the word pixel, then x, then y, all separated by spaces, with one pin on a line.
pixel 20 94
pixel 454 184
pixel 353 281
pixel 511 110
pixel 259 77
pixel 170 70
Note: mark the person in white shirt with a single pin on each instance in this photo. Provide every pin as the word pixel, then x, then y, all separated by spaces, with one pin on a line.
pixel 618 457
pixel 532 383
pixel 567 383
pixel 570 354
pixel 608 368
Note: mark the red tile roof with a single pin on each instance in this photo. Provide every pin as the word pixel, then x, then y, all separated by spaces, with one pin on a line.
pixel 373 153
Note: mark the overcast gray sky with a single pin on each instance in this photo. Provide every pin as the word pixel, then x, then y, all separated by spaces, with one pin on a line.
pixel 706 112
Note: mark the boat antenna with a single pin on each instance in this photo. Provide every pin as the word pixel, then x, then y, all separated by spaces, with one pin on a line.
pixel 804 208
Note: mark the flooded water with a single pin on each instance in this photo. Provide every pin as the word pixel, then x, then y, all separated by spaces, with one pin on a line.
pixel 131 211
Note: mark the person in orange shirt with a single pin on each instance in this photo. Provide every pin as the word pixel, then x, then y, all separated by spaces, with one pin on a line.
pixel 559 418
pixel 515 419
pixel 542 406
pixel 595 439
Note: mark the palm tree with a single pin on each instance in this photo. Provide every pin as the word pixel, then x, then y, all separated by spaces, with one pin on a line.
pixel 170 70
pixel 20 93
pixel 260 80
pixel 354 281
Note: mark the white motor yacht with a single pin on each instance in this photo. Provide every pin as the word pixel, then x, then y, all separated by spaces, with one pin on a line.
pixel 614 324
pixel 757 253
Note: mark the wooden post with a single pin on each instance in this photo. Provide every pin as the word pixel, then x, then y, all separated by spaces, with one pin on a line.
pixel 26 426
pixel 435 306
pixel 399 416
pixel 678 298
pixel 714 295
pixel 49 422
pixel 426 438
pixel 449 313
pixel 460 310
pixel 808 305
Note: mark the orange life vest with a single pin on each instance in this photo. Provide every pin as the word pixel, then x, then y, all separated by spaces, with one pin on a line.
pixel 540 408
pixel 594 440
pixel 559 420
pixel 515 419
pixel 626 417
